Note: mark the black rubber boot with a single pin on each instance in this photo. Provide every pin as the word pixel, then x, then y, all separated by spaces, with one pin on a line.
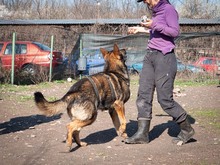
pixel 141 136
pixel 185 134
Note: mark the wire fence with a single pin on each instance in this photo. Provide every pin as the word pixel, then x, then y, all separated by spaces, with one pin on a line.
pixel 189 46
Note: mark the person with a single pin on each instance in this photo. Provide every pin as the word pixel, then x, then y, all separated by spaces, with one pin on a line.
pixel 158 72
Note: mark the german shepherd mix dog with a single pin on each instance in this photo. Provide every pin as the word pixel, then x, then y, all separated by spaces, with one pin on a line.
pixel 107 90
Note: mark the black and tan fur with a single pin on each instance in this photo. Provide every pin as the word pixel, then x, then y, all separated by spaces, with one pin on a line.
pixel 82 101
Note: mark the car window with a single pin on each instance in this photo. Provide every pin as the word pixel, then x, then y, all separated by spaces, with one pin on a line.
pixel 23 48
pixel 41 46
pixel 19 49
pixel 8 50
pixel 207 61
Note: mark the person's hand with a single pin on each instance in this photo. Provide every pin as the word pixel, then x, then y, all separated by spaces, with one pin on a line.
pixel 136 29
pixel 133 30
pixel 147 24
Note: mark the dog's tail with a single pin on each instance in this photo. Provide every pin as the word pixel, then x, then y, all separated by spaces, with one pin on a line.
pixel 49 108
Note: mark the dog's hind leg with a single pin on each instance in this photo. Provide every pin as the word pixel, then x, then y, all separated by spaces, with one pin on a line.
pixel 73 130
pixel 115 119
pixel 80 125
pixel 77 139
pixel 70 129
pixel 119 108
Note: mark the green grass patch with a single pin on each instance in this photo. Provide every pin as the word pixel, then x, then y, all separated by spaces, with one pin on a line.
pixel 134 80
pixel 53 98
pixel 59 81
pixel 13 88
pixel 25 98
pixel 210 117
pixel 180 82
pixel 209 113
pixel 21 88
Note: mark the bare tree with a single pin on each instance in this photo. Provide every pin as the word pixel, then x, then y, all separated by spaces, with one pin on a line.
pixel 199 8
pixel 93 9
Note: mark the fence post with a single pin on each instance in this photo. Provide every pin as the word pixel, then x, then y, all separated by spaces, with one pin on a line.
pixel 80 53
pixel 51 59
pixel 13 58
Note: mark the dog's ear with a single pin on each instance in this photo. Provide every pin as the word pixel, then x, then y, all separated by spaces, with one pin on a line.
pixel 116 49
pixel 103 51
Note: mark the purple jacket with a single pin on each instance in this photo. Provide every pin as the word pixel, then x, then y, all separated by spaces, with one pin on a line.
pixel 165 27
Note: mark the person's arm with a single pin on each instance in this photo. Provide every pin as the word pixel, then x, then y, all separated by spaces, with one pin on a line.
pixel 172 27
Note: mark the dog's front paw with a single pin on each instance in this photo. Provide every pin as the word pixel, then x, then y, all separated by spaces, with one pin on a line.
pixel 83 144
pixel 124 135
pixel 122 129
pixel 69 148
pixel 69 145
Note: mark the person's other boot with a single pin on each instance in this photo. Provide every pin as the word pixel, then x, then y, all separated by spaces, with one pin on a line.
pixel 186 133
pixel 141 136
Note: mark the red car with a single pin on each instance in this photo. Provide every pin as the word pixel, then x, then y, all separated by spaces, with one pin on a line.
pixel 28 54
pixel 209 64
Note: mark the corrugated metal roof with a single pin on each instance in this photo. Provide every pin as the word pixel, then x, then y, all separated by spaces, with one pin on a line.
pixel 182 21
pixel 214 21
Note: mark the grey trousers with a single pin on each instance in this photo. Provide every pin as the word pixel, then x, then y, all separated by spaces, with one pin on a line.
pixel 158 73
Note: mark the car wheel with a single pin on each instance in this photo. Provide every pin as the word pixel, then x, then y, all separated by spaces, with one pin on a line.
pixel 0 63
pixel 29 70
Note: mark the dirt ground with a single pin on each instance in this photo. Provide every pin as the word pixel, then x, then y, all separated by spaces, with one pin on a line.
pixel 27 137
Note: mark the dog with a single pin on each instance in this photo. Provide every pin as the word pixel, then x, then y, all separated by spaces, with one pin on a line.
pixel 107 90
